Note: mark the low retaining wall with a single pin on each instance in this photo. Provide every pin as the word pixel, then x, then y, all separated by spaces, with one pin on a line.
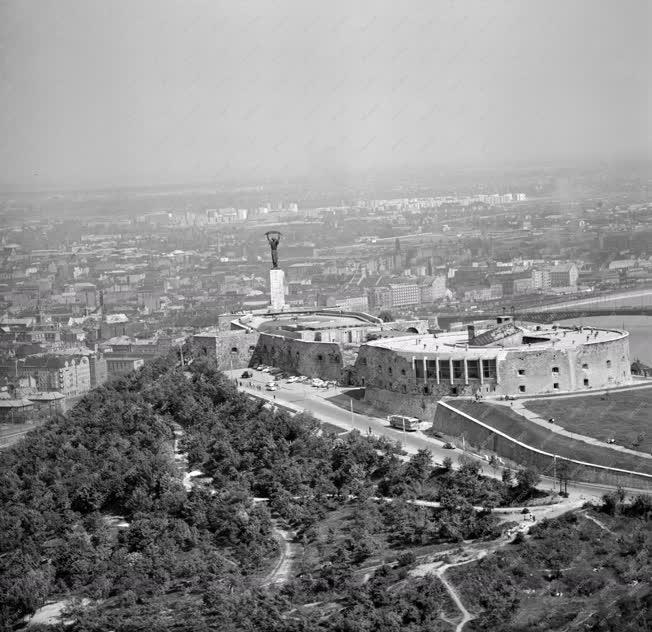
pixel 451 421
pixel 422 407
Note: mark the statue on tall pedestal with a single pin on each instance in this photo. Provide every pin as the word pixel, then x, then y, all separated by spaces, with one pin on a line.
pixel 274 237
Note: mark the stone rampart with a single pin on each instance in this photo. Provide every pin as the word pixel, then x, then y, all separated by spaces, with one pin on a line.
pixel 451 421
pixel 233 349
pixel 314 359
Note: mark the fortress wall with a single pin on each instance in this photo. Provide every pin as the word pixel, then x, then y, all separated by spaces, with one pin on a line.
pixel 421 406
pixel 233 349
pixel 380 368
pixel 600 373
pixel 314 359
pixel 452 422
pixel 607 366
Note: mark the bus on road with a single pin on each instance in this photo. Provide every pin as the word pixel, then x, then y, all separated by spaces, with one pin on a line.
pixel 403 423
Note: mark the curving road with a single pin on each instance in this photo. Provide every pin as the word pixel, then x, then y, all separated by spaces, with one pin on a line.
pixel 302 397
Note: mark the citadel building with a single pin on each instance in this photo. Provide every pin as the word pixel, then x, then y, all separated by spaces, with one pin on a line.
pixel 510 359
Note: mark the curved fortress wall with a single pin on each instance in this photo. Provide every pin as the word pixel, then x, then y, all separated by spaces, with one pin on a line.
pixel 408 366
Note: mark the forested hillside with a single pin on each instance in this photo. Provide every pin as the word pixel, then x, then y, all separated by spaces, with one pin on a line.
pixel 94 507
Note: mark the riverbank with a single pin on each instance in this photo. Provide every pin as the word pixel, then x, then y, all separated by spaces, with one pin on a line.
pixel 594 299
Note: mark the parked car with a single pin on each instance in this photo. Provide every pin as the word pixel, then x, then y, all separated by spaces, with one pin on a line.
pixel 246 374
pixel 271 387
pixel 449 446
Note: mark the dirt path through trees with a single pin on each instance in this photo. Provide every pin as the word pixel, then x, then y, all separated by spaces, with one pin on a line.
pixel 281 571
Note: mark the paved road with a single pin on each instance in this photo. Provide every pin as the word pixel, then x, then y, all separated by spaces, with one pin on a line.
pixel 313 400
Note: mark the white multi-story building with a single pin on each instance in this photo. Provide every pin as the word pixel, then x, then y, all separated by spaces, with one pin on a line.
pixel 405 294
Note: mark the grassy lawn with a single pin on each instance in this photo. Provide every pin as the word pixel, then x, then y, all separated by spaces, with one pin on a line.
pixel 514 425
pixel 622 415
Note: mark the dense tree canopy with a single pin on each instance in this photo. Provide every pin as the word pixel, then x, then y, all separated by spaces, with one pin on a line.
pixel 94 506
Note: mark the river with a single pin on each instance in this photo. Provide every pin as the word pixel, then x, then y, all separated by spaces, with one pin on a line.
pixel 639 327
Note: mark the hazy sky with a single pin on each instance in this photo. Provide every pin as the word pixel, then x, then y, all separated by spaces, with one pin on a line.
pixel 136 92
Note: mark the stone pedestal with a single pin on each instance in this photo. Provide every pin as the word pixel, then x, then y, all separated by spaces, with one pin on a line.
pixel 277 288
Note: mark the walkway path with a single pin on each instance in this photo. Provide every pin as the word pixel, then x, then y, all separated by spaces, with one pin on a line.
pixel 281 571
pixel 598 522
pixel 518 406
pixel 466 615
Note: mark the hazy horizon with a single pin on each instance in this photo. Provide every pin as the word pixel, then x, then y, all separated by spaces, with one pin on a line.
pixel 150 93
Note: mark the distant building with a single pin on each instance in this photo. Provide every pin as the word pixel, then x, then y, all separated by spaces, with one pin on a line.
pixel 98 369
pixel 433 288
pixel 357 303
pixel 122 365
pixel 67 375
pixel 540 279
pixel 405 294
pixel 564 275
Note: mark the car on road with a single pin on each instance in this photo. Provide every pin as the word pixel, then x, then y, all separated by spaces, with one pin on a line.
pixel 266 369
pixel 246 374
pixel 317 382
pixel 449 446
pixel 271 387
pixel 292 379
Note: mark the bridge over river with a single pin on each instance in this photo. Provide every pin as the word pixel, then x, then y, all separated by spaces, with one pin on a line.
pixel 542 315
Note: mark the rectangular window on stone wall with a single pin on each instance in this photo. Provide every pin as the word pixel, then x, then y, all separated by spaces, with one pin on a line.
pixel 444 370
pixel 431 368
pixel 458 369
pixel 489 369
pixel 418 370
pixel 473 369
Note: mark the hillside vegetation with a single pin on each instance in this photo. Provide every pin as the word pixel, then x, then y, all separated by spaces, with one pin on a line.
pixel 94 507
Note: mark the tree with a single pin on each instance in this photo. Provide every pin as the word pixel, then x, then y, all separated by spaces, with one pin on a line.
pixel 563 475
pixel 447 463
pixel 419 466
pixel 527 479
pixel 493 463
pixel 386 316
pixel 507 477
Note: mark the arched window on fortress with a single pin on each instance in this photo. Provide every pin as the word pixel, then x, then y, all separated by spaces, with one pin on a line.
pixel 389 370
pixel 234 349
pixel 318 336
pixel 608 364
